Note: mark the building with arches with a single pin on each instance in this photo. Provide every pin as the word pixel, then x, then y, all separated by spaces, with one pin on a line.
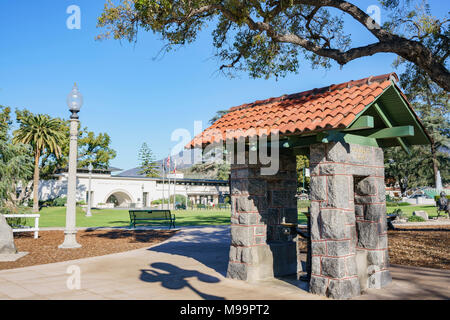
pixel 114 191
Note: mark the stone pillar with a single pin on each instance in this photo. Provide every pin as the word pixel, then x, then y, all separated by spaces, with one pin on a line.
pixel 259 203
pixel 348 220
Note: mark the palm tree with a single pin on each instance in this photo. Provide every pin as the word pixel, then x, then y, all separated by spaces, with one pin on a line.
pixel 44 134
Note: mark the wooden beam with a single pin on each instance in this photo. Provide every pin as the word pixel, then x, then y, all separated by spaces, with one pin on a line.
pixel 327 137
pixel 362 123
pixel 389 124
pixel 394 132
pixel 365 141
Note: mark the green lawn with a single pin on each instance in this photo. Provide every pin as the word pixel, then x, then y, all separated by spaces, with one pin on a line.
pixel 56 217
pixel 408 210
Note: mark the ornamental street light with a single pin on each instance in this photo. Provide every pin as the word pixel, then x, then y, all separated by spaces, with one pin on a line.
pixel 88 213
pixel 74 101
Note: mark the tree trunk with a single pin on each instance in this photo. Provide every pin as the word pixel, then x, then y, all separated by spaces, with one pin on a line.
pixel 435 163
pixel 36 182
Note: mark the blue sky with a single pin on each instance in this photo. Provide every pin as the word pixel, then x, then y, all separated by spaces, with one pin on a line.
pixel 127 93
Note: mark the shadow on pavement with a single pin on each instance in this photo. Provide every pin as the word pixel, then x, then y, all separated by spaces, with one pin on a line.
pixel 175 278
pixel 209 245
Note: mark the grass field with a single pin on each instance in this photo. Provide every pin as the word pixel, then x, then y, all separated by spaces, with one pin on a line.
pixel 56 217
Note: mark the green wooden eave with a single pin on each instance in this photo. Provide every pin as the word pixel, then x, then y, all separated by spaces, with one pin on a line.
pixel 386 122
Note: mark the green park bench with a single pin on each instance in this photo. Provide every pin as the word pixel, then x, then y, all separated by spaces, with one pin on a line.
pixel 148 217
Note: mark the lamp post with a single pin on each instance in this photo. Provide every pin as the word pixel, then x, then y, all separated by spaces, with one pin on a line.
pixel 74 101
pixel 88 212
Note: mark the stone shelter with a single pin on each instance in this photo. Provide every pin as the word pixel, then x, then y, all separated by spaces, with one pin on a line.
pixel 342 129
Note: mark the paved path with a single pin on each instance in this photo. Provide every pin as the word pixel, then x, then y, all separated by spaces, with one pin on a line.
pixel 190 265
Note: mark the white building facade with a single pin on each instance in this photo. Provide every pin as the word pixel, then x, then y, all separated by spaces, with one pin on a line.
pixel 108 191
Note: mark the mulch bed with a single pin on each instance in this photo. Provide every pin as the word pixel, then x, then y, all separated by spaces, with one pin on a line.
pixel 94 243
pixel 420 246
pixel 427 246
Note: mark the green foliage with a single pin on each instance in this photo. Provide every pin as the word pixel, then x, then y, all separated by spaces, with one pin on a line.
pixel 219 114
pixel 92 148
pixel 302 162
pixel 16 164
pixel 301 204
pixel 60 202
pixel 436 198
pixel 149 167
pixel 416 219
pixel 209 170
pixel 15 222
pixel 270 38
pixel 400 214
pixel 179 199
pixel 43 133
pixel 429 100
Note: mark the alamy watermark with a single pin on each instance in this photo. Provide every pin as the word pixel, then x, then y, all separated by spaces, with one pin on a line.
pixel 240 147
pixel 74 280
pixel 74 19
pixel 374 12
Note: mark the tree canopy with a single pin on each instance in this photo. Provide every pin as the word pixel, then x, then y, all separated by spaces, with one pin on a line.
pixel 149 167
pixel 268 37
pixel 16 163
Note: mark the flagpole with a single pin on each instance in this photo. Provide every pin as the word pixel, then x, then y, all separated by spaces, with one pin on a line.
pixel 168 178
pixel 175 185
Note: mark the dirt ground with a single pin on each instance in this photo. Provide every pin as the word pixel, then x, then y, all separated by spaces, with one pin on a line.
pixel 424 246
pixel 94 243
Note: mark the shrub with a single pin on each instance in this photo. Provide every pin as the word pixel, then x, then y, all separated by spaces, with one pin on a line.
pixel 15 222
pixel 416 219
pixel 400 214
pixel 59 202
pixel 391 204
pixel 436 198
pixel 303 203
pixel 403 204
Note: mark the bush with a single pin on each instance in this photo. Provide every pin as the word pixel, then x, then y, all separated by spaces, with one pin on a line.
pixel 399 213
pixel 59 202
pixel 403 204
pixel 416 219
pixel 397 204
pixel 303 203
pixel 15 222
pixel 436 198
pixel 391 204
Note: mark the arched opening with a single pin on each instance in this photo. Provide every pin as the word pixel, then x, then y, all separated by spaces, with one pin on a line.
pixel 120 199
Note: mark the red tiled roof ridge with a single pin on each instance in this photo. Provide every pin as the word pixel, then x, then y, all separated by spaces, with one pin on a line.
pixel 313 92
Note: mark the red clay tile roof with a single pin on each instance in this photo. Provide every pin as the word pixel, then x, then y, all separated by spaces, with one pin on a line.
pixel 331 107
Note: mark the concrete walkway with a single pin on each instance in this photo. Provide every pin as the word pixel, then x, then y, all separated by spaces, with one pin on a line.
pixel 190 265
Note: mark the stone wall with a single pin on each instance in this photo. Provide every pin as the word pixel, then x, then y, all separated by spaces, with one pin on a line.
pixel 260 203
pixel 348 220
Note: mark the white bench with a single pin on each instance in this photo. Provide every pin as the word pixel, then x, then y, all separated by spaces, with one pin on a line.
pixel 36 223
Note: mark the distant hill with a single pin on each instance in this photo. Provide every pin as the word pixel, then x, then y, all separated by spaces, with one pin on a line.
pixel 184 160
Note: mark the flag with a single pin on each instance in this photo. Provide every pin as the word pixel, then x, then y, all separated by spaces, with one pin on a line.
pixel 167 165
pixel 175 166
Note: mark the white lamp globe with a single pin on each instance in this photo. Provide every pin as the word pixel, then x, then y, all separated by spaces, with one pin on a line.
pixel 75 99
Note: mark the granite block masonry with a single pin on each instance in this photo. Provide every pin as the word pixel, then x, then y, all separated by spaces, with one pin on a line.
pixel 348 220
pixel 7 245
pixel 260 203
